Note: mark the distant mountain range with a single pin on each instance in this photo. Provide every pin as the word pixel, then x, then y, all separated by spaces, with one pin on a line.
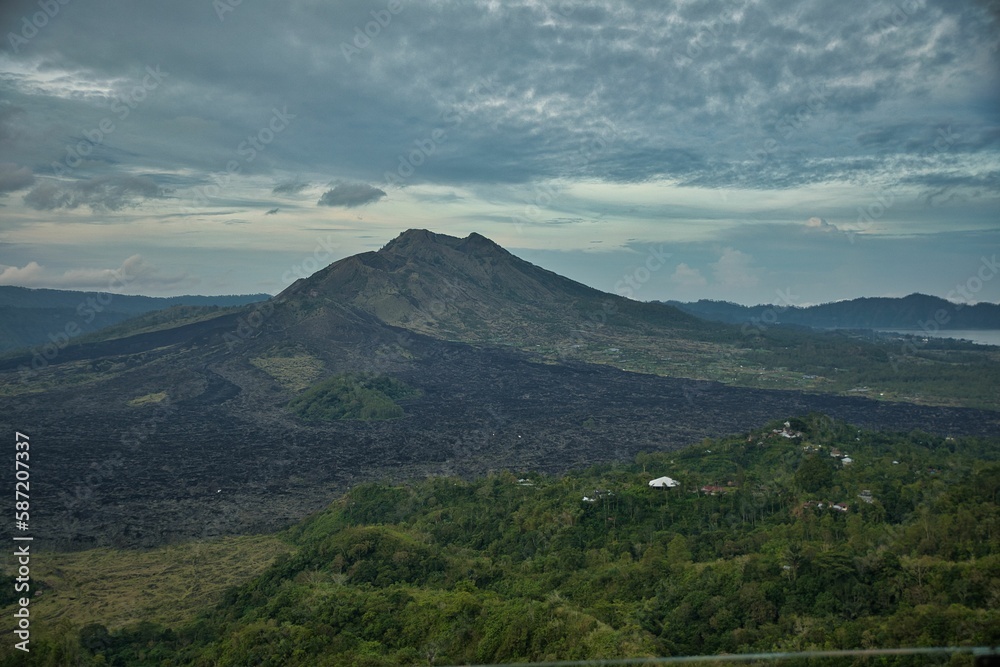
pixel 30 317
pixel 916 312
pixel 201 423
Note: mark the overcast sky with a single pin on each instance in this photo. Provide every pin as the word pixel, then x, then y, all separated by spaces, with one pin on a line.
pixel 755 151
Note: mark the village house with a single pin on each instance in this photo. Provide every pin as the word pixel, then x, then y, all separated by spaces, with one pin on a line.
pixel 787 432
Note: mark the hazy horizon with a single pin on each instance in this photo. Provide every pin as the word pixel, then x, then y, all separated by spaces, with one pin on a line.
pixel 781 300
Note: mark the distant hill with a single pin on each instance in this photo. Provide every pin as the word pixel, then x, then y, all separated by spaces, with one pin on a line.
pixel 29 317
pixel 908 312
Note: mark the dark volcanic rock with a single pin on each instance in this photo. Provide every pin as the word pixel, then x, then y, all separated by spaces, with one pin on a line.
pixel 202 465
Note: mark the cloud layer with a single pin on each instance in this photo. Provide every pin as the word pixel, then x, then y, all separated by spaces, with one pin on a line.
pixel 708 93
pixel 871 118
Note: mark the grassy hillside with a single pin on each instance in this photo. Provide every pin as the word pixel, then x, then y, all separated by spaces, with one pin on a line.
pixel 169 585
pixel 749 553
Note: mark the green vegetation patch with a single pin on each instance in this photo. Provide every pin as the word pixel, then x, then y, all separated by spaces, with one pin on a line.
pixel 295 372
pixel 352 396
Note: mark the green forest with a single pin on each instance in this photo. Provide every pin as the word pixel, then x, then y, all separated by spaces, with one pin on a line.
pixel 805 534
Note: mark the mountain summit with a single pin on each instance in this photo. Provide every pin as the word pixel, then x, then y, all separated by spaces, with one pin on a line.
pixel 417 241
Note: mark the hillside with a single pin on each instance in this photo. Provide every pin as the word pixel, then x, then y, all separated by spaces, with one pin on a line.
pixel 773 541
pixel 34 317
pixel 908 312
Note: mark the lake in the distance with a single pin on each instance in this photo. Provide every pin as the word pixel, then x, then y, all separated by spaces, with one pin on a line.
pixel 982 336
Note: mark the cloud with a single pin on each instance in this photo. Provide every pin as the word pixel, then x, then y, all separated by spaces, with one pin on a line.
pixel 350 195
pixel 13 177
pixel 109 192
pixel 272 211
pixel 564 221
pixel 685 276
pixel 290 188
pixel 733 269
pixel 133 274
pixel 821 224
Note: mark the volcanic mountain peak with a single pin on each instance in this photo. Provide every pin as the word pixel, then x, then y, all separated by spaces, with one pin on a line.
pixel 415 243
pixel 414 238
